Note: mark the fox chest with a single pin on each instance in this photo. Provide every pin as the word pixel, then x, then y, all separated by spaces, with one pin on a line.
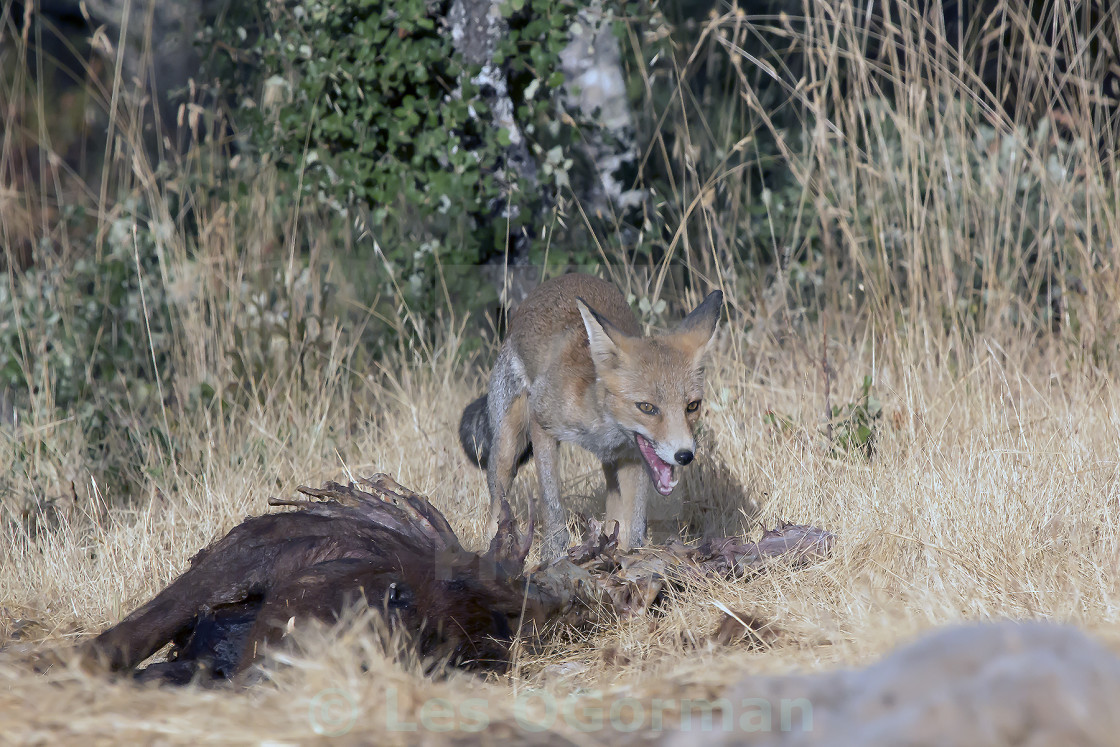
pixel 569 410
pixel 603 438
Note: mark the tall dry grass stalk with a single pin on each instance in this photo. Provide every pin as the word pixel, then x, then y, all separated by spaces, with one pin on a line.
pixel 993 488
pixel 940 178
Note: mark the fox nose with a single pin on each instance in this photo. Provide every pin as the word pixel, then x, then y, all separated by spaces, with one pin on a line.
pixel 684 456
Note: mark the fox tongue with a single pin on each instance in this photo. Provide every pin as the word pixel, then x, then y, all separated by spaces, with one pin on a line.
pixel 661 471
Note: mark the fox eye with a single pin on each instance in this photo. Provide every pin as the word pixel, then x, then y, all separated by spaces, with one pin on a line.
pixel 693 406
pixel 647 408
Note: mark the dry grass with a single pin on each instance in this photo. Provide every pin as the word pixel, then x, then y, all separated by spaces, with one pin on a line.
pixel 992 492
pixel 994 498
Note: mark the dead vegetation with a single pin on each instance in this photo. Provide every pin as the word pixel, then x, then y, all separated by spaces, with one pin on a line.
pixel 990 494
pixel 384 546
pixel 995 501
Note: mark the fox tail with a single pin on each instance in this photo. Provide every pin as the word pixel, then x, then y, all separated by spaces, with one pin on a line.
pixel 474 432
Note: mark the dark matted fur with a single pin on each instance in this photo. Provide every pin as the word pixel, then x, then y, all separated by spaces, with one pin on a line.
pixel 240 593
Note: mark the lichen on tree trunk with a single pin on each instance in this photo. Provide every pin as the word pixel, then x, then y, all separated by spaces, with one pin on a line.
pixel 476 28
pixel 595 91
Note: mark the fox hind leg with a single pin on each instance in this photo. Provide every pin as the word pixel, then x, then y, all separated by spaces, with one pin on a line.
pixel 511 437
pixel 507 405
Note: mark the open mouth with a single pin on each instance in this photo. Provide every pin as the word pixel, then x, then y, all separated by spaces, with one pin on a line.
pixel 663 473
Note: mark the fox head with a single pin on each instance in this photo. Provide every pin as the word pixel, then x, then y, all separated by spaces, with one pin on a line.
pixel 653 387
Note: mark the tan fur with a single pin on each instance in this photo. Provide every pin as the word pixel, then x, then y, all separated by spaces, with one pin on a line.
pixel 573 369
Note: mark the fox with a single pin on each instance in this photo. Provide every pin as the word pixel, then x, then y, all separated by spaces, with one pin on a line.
pixel 575 368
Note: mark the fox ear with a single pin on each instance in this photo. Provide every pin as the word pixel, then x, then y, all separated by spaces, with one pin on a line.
pixel 698 328
pixel 602 338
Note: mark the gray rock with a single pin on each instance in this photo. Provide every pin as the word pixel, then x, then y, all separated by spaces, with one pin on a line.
pixel 997 684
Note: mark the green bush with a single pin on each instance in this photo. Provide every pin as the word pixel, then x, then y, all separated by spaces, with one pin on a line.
pixel 90 342
pixel 369 114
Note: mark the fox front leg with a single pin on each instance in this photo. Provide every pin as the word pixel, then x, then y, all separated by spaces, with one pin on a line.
pixel 555 525
pixel 628 488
